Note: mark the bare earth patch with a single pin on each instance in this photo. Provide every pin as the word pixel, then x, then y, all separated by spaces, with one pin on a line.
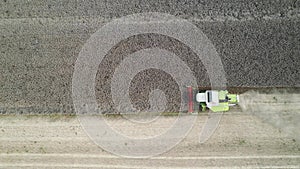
pixel 241 140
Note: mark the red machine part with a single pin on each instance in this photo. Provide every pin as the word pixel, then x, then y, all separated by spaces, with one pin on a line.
pixel 191 100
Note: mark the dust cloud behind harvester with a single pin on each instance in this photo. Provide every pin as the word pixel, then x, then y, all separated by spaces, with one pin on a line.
pixel 280 108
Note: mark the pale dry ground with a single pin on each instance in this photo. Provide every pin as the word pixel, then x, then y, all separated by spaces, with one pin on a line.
pixel 241 140
pixel 278 107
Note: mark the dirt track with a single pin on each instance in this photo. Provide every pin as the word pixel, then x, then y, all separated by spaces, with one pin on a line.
pixel 241 140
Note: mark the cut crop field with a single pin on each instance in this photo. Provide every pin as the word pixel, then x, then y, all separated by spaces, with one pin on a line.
pixel 241 140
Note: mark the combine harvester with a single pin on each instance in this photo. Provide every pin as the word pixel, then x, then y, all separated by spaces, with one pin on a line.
pixel 215 100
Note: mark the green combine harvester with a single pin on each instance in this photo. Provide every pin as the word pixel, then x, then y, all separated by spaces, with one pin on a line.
pixel 215 100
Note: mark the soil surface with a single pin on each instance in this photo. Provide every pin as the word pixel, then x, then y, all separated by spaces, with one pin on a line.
pixel 241 141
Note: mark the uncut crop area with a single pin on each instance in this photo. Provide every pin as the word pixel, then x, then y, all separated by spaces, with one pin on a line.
pixel 258 43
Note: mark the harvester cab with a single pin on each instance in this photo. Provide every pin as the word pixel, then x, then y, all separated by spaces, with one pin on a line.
pixel 215 100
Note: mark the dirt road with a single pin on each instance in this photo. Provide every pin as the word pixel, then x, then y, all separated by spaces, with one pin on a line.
pixel 241 141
